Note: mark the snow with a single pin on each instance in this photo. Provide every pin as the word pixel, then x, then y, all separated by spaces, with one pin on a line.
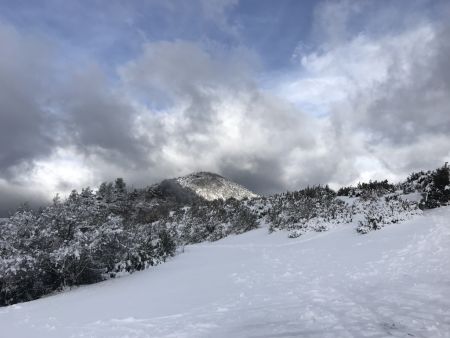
pixel 349 200
pixel 391 282
pixel 413 197
pixel 211 186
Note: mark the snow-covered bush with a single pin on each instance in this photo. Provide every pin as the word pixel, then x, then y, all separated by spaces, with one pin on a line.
pixel 211 220
pixel 373 188
pixel 433 185
pixel 310 209
pixel 84 239
pixel 318 209
pixel 374 213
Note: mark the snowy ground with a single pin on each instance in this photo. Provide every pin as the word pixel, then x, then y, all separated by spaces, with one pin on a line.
pixel 392 282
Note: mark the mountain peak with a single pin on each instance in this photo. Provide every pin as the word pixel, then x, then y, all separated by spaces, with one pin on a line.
pixel 212 186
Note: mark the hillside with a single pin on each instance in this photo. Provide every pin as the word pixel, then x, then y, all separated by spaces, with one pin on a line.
pixel 212 186
pixel 393 282
pixel 92 236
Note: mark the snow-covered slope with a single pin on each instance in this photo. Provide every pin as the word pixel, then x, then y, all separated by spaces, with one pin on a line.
pixel 392 282
pixel 213 186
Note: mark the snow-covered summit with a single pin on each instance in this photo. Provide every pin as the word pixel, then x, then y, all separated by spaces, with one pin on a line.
pixel 212 186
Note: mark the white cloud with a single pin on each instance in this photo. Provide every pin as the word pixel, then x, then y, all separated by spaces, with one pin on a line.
pixel 356 67
pixel 376 92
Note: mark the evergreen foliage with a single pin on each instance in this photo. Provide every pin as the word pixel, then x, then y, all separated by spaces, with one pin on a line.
pixel 433 185
pixel 374 213
pixel 92 236
pixel 372 188
pixel 304 210
pixel 84 239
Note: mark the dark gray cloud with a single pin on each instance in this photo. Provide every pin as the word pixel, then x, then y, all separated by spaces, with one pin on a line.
pixel 264 178
pixel 25 125
pixel 96 119
pixel 13 196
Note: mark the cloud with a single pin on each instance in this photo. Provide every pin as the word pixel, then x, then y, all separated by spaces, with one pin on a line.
pixel 12 196
pixel 217 117
pixel 385 96
pixel 161 119
pixel 97 119
pixel 359 104
pixel 414 100
pixel 409 106
pixel 24 121
pixel 332 20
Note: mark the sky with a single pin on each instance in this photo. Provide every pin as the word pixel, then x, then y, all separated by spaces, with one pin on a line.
pixel 275 95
